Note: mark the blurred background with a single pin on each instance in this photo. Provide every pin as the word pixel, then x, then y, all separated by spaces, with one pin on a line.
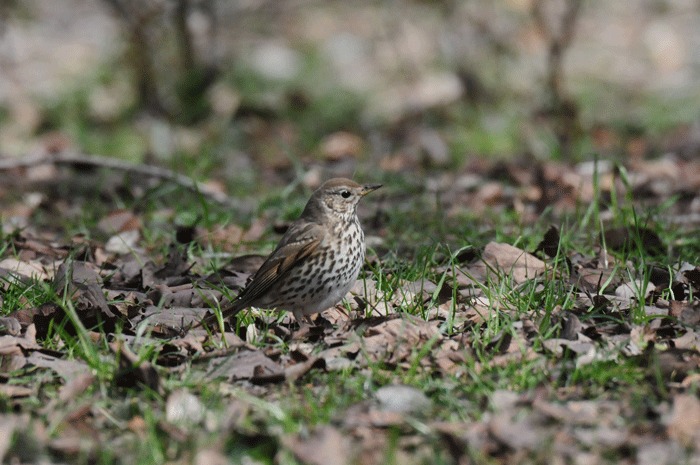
pixel 240 92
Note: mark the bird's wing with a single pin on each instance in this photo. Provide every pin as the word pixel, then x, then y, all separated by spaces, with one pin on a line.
pixel 298 243
pixel 292 249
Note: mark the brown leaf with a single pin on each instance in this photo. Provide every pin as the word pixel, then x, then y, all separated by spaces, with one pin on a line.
pixel 581 412
pixel 499 261
pixel 119 221
pixel 395 340
pixel 550 242
pixel 593 280
pixel 689 340
pixel 677 307
pixel 35 247
pixel 14 345
pixel 42 317
pixel 673 364
pixel 626 239
pixel 185 296
pixel 76 386
pixel 66 369
pixel 175 267
pixel 124 242
pixel 190 342
pixel 10 325
pixel 451 358
pixel 571 326
pixel 424 289
pixel 13 391
pixel 9 424
pixel 24 271
pixel 684 426
pixel 297 370
pixel 80 281
pixel 693 277
pixel 244 365
pixel 513 357
pixel 631 290
pixel 517 433
pixel 133 371
pixel 325 446
pixel 690 315
pixel 171 320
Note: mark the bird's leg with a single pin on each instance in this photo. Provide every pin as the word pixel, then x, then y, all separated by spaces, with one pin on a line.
pixel 305 324
pixel 299 316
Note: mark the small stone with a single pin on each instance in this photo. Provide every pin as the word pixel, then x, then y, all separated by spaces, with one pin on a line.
pixel 399 398
pixel 184 409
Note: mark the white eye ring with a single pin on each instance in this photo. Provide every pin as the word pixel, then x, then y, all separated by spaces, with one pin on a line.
pixel 345 194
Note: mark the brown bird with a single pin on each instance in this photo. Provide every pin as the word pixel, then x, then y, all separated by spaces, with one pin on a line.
pixel 317 260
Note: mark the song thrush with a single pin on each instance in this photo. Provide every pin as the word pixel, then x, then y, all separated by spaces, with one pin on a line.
pixel 317 260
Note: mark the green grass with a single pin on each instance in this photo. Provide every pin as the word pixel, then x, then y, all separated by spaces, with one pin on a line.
pixel 245 422
pixel 249 424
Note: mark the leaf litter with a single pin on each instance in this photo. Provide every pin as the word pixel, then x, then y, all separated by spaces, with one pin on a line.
pixel 141 306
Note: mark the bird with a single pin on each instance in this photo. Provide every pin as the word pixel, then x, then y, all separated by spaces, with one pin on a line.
pixel 316 262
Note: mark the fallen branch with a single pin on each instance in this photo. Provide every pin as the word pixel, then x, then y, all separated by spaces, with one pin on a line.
pixel 119 165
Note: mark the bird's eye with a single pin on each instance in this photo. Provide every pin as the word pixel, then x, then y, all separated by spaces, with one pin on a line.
pixel 345 194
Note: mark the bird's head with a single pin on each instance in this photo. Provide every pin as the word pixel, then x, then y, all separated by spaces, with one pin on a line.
pixel 338 197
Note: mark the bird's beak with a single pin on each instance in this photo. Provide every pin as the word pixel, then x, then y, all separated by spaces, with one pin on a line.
pixel 369 188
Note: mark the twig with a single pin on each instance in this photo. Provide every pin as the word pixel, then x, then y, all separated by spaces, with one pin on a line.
pixel 120 165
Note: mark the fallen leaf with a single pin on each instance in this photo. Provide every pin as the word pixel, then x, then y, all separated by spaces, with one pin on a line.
pixel 325 446
pixel 684 425
pixel 244 365
pixel 133 371
pixel 499 261
pixel 11 268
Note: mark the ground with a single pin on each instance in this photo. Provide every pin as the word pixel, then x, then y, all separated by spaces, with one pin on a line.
pixel 530 288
